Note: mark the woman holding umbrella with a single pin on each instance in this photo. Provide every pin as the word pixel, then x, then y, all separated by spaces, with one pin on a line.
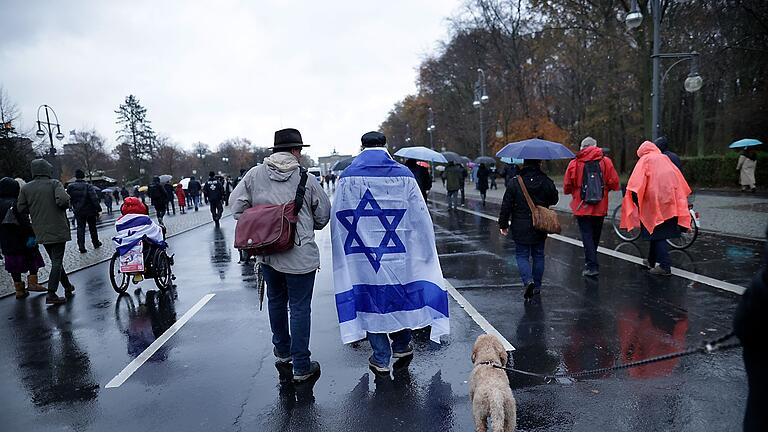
pixel 482 180
pixel 746 168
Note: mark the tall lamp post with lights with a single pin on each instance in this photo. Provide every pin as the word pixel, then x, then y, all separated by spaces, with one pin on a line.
pixel 46 126
pixel 693 82
pixel 431 129
pixel 481 97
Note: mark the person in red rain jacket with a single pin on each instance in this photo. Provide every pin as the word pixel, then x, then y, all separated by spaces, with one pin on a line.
pixel 590 216
pixel 181 198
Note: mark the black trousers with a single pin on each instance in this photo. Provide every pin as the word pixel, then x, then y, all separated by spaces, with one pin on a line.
pixel 81 222
pixel 216 209
pixel 56 253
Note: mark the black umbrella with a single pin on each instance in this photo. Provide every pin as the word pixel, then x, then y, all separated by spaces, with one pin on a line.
pixel 485 160
pixel 452 157
pixel 342 164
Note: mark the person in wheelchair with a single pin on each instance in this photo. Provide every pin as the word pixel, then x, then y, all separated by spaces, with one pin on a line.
pixel 135 226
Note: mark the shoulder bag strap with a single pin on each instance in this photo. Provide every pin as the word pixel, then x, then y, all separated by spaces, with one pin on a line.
pixel 300 191
pixel 525 193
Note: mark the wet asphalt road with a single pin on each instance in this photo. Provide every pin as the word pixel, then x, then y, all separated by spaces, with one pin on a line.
pixel 217 372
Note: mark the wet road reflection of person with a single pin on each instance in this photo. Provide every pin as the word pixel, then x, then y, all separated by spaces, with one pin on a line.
pixel 221 254
pixel 531 351
pixel 53 368
pixel 590 345
pixel 653 324
pixel 144 323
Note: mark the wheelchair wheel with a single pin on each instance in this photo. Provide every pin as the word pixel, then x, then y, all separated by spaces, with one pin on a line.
pixel 625 235
pixel 163 272
pixel 120 280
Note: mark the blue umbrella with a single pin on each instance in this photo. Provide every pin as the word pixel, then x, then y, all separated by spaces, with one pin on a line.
pixel 747 142
pixel 421 153
pixel 535 149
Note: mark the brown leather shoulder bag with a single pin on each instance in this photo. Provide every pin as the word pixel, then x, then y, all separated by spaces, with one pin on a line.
pixel 544 219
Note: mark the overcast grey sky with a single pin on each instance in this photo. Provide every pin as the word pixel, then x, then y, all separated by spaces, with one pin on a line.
pixel 207 71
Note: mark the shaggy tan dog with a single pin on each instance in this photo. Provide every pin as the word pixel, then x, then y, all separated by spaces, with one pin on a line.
pixel 489 388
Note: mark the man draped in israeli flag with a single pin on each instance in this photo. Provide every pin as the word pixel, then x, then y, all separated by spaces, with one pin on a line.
pixel 385 267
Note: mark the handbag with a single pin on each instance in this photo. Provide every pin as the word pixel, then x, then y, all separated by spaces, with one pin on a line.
pixel 267 229
pixel 10 217
pixel 544 219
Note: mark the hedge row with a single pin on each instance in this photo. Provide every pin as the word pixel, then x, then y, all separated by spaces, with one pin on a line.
pixel 720 170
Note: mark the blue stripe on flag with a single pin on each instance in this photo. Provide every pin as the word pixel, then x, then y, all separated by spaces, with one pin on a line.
pixel 133 223
pixel 383 299
pixel 375 163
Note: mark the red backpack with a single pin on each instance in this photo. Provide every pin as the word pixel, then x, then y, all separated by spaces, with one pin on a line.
pixel 268 229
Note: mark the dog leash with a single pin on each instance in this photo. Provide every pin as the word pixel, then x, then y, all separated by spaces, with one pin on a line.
pixel 707 348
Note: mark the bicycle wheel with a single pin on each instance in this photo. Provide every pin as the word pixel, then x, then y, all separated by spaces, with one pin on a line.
pixel 686 238
pixel 162 271
pixel 626 235
pixel 120 280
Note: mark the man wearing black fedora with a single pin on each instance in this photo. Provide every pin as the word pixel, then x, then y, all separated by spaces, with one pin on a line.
pixel 289 275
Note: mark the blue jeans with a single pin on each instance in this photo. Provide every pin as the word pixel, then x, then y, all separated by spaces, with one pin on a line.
pixel 382 353
pixel 523 255
pixel 590 227
pixel 290 291
pixel 452 198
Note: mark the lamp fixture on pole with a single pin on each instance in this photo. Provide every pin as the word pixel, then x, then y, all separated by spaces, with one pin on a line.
pixel 47 126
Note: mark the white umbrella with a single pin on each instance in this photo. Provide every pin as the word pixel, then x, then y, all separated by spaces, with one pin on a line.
pixel 165 178
pixel 421 153
pixel 184 183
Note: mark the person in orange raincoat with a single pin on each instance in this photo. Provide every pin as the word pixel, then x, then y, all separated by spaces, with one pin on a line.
pixel 179 190
pixel 657 202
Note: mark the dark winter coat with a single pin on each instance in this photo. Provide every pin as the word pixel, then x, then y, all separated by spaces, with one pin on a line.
pixel 169 192
pixel 750 323
pixel 510 172
pixel 194 187
pixel 46 202
pixel 423 179
pixel 514 208
pixel 214 190
pixel 663 144
pixel 13 238
pixel 482 178
pixel 454 177
pixel 158 196
pixel 83 198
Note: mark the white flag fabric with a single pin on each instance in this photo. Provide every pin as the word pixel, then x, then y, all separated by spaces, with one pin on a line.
pixel 132 228
pixel 386 270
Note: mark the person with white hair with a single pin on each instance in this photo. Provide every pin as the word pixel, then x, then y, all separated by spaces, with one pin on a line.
pixel 588 179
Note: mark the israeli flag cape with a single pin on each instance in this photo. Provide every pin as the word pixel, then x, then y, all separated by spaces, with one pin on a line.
pixel 385 266
pixel 132 228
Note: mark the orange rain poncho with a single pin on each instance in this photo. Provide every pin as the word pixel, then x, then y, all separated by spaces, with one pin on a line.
pixel 661 189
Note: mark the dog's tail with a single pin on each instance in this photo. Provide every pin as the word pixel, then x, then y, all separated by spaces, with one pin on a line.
pixel 496 405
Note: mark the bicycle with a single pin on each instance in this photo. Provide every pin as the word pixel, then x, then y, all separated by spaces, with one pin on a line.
pixel 686 239
pixel 158 266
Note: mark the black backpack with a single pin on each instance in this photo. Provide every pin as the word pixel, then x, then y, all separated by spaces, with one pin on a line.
pixel 592 187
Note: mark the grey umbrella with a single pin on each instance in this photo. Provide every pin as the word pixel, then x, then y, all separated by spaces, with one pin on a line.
pixel 452 157
pixel 342 164
pixel 485 160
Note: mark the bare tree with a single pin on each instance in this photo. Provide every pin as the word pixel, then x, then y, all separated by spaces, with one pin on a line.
pixel 87 151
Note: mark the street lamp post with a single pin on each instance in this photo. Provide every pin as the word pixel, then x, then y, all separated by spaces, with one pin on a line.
pixel 430 129
pixel 481 97
pixel 694 81
pixel 47 126
pixel 226 163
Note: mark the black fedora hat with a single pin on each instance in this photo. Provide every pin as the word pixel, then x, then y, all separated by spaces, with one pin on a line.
pixel 373 139
pixel 288 138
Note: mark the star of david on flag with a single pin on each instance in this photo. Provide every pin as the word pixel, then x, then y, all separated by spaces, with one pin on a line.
pixel 390 243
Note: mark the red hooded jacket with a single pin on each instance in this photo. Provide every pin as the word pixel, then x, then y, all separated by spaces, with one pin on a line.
pixel 572 182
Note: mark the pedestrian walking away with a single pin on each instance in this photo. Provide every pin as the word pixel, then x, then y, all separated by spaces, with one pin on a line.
pixel 656 201
pixel 170 193
pixel 181 198
pixel 107 196
pixel 464 176
pixel 159 199
pixel 516 216
pixel 290 275
pixel 194 187
pixel 454 181
pixel 46 202
pixel 116 196
pixel 421 174
pixel 214 193
pixel 663 144
pixel 746 168
pixel 21 253
pixel 86 205
pixel 227 189
pixel 588 179
pixel 124 193
pixel 385 287
pixel 483 173
pixel 492 178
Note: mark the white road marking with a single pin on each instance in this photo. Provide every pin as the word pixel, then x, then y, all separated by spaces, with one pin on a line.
pixel 133 366
pixel 479 319
pixel 706 280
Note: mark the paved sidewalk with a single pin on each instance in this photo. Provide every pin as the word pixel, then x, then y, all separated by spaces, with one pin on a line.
pixel 739 215
pixel 74 260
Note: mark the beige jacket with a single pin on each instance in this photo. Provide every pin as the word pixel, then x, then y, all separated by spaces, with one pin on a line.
pixel 275 182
